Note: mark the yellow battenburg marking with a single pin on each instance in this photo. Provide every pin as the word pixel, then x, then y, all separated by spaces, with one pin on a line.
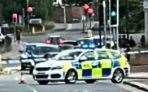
pixel 105 64
pixel 96 73
pixel 67 66
pixel 79 71
pixel 86 65
pixel 122 63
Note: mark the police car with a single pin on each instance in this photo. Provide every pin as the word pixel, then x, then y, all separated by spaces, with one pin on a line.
pixel 80 64
pixel 94 42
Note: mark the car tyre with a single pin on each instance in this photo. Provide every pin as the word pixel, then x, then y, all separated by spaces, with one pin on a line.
pixel 118 76
pixel 90 81
pixel 71 77
pixel 43 82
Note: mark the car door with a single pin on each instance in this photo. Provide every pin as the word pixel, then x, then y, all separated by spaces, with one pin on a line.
pixel 85 70
pixel 115 59
pixel 105 63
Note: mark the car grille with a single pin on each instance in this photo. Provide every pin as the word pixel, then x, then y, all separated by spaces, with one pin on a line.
pixel 55 76
pixel 41 76
pixel 43 69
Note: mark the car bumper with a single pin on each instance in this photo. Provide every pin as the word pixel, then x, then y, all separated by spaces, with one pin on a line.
pixel 51 75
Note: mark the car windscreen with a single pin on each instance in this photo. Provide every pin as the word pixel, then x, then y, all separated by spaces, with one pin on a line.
pixel 67 55
pixel 30 48
pixel 41 50
pixel 54 40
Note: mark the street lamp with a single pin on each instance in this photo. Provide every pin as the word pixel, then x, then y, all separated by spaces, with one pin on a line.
pixel 88 12
pixel 14 20
pixel 104 13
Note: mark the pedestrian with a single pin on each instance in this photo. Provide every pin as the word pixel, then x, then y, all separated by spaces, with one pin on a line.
pixel 142 41
pixel 8 42
pixel 22 79
pixel 132 42
pixel 126 52
pixel 18 36
pixel 120 41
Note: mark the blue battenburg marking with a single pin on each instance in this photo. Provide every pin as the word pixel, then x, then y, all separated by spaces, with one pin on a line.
pixel 86 72
pixel 106 72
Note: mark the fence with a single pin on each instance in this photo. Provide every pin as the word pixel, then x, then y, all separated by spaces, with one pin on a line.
pixel 138 57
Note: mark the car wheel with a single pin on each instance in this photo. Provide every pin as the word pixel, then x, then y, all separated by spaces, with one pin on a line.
pixel 118 76
pixel 90 81
pixel 71 77
pixel 43 82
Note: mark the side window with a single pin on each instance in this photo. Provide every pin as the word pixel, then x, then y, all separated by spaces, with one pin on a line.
pixel 102 55
pixel 89 55
pixel 115 55
pixel 70 56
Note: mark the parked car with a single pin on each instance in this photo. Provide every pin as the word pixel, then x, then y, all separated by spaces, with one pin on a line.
pixel 33 53
pixel 81 64
pixel 70 42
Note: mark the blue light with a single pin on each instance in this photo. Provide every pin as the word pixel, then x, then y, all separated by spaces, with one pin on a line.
pixel 92 46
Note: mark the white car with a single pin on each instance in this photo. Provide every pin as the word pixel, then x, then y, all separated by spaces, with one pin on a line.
pixel 51 69
pixel 33 53
pixel 80 64
pixel 2 37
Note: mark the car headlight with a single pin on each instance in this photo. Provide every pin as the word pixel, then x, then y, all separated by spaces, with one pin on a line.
pixel 58 67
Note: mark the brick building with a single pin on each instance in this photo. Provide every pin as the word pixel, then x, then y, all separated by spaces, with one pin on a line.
pixel 73 14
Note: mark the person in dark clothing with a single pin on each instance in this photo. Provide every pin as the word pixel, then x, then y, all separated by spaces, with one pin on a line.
pixel 125 42
pixel 8 42
pixel 126 51
pixel 132 42
pixel 120 41
pixel 18 36
pixel 142 40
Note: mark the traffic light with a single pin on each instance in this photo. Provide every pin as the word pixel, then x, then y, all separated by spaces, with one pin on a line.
pixel 14 17
pixel 113 12
pixel 88 11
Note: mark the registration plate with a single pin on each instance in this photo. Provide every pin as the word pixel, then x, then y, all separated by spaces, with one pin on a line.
pixel 40 73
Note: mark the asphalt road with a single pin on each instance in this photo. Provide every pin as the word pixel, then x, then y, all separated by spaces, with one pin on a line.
pixel 11 84
pixel 67 34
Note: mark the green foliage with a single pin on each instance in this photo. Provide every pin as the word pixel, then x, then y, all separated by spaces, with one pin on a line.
pixel 48 25
pixel 131 15
pixel 42 8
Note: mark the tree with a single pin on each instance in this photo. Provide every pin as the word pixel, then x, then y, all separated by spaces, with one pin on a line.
pixel 131 15
pixel 43 8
